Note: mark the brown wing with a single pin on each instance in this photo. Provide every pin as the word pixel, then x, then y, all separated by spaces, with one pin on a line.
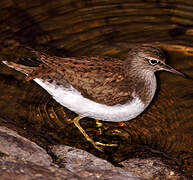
pixel 97 78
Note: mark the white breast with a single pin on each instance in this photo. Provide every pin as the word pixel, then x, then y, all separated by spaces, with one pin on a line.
pixel 73 100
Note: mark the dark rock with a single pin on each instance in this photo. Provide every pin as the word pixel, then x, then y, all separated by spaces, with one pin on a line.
pixel 20 170
pixel 25 160
pixel 146 168
pixel 16 146
pixel 87 165
pixel 151 168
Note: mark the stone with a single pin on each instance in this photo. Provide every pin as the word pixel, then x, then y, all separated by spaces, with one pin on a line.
pixel 12 144
pixel 87 165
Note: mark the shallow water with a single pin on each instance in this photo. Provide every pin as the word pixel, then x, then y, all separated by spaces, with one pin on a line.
pixel 165 126
pixel 101 28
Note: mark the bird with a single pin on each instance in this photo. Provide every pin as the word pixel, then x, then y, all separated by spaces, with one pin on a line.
pixel 102 88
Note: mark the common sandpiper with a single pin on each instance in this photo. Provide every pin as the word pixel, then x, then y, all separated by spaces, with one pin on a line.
pixel 102 88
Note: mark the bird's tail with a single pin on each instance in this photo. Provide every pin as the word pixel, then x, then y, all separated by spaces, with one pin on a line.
pixel 41 56
pixel 24 69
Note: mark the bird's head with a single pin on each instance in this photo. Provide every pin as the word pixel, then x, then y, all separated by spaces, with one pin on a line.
pixel 150 58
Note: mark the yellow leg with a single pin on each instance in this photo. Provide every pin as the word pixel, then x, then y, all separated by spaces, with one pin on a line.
pixel 95 144
pixel 99 124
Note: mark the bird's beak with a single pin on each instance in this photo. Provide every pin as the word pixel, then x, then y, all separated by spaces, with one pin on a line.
pixel 171 69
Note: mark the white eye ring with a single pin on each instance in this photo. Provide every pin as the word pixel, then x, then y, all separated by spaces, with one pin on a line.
pixel 153 62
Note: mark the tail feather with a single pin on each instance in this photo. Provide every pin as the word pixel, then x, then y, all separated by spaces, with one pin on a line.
pixel 24 69
pixel 40 55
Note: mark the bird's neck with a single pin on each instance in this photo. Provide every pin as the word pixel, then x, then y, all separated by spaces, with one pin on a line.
pixel 143 83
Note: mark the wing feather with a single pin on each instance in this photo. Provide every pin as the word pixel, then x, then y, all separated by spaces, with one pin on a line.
pixel 100 79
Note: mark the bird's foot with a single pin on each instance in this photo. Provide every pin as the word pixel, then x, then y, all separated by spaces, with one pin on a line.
pixel 97 145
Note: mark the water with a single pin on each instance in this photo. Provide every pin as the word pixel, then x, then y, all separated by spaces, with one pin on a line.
pixel 101 28
pixel 166 126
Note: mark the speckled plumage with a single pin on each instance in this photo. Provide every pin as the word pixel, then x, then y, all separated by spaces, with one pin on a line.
pixel 102 88
pixel 94 77
pixel 103 80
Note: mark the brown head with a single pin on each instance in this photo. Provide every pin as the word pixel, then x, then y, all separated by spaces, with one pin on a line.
pixel 150 58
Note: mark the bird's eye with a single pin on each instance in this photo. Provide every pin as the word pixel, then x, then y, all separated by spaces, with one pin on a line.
pixel 153 62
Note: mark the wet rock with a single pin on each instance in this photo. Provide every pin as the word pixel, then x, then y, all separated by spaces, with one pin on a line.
pixel 18 147
pixel 151 168
pixel 87 165
pixel 20 170
pixel 25 160
pixel 144 168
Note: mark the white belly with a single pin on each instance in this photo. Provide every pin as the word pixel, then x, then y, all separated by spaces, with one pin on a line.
pixel 73 100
